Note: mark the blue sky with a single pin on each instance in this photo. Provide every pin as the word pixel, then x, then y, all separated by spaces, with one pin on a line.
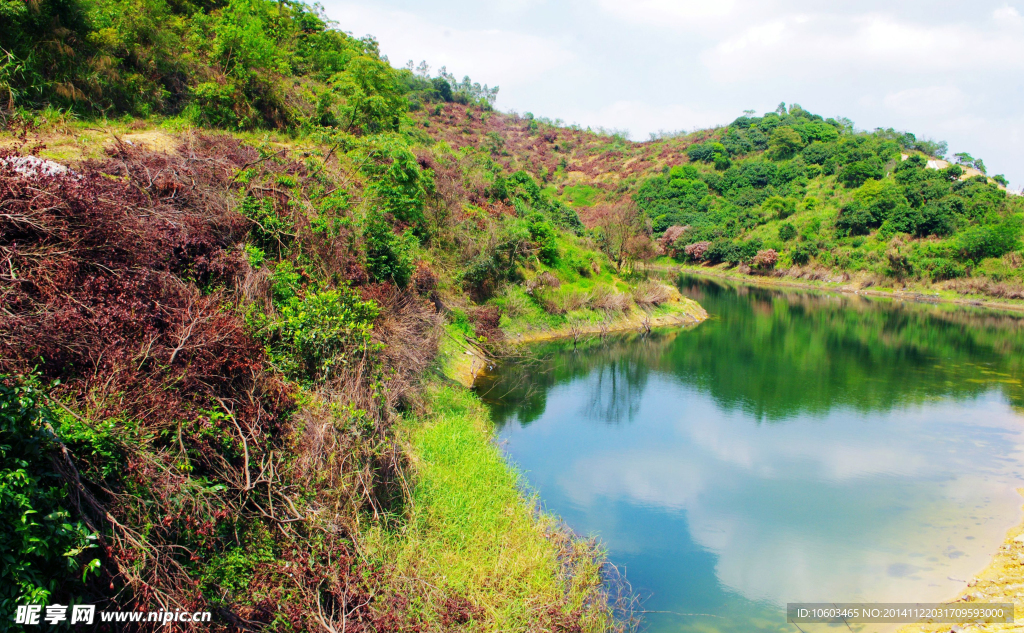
pixel 944 70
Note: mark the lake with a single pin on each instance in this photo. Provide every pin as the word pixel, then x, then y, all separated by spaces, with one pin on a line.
pixel 794 447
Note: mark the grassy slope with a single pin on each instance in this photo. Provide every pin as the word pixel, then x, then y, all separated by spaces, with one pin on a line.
pixel 471 530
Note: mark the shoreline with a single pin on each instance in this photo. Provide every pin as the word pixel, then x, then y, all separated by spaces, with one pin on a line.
pixel 634 322
pixel 845 288
pixel 1002 580
pixel 470 360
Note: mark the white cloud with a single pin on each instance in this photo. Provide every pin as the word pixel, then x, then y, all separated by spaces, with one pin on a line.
pixel 931 100
pixel 492 56
pixel 669 12
pixel 798 46
pixel 642 118
pixel 1007 15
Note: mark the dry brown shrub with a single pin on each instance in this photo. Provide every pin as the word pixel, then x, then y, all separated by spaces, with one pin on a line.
pixel 486 320
pixel 562 300
pixel 766 259
pixel 543 280
pixel 128 290
pixel 424 279
pixel 671 234
pixel 697 250
pixel 610 300
pixel 651 293
pixel 983 286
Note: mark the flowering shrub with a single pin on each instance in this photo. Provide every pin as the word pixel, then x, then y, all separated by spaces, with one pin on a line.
pixel 766 259
pixel 696 251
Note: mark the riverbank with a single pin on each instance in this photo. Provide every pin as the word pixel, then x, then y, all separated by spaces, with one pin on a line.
pixel 846 287
pixel 680 311
pixel 462 360
pixel 1001 581
pixel 470 524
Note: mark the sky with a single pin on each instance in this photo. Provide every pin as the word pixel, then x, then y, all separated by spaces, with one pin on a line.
pixel 943 70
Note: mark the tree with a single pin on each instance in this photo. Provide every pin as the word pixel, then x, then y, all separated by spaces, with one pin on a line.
pixel 373 99
pixel 622 229
pixel 963 158
pixel 858 172
pixel 388 256
pixel 784 143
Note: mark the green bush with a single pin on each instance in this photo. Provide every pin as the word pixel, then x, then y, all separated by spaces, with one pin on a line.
pixel 544 236
pixel 43 547
pixel 320 331
pixel 803 252
pixel 858 172
pixel 855 219
pixel 979 242
pixel 389 257
pixel 269 230
pixel 784 143
pixel 397 181
pixel 499 263
pixel 786 231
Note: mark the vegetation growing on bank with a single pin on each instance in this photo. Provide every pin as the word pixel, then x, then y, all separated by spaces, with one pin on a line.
pixel 225 329
pixel 222 305
pixel 803 191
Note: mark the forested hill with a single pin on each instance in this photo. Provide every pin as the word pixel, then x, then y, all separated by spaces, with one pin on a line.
pixel 814 196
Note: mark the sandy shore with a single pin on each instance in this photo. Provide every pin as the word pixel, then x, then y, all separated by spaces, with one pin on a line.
pixel 1001 581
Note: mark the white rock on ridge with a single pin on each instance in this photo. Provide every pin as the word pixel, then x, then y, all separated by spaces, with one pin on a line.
pixel 35 166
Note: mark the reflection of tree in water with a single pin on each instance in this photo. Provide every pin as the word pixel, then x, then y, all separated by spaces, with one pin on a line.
pixel 775 354
pixel 613 371
pixel 615 388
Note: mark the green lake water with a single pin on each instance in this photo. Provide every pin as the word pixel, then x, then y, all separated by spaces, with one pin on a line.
pixel 794 447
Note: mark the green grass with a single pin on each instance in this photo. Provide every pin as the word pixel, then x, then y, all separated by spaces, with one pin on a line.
pixel 473 532
pixel 579 195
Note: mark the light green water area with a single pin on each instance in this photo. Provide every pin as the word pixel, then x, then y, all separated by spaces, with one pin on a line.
pixel 795 447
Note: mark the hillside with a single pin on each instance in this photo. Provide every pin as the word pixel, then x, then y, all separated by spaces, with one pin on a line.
pixel 237 288
pixel 816 198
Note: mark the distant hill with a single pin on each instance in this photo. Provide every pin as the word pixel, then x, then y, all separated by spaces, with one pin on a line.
pixel 883 206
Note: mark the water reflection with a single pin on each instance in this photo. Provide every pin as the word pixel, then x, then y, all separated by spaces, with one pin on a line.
pixel 792 448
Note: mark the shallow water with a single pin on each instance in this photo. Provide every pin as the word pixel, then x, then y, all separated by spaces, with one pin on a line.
pixel 793 448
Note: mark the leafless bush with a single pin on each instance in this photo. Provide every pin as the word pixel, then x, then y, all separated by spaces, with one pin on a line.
pixel 562 300
pixel 651 293
pixel 543 280
pixel 672 234
pixel 610 300
pixel 983 286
